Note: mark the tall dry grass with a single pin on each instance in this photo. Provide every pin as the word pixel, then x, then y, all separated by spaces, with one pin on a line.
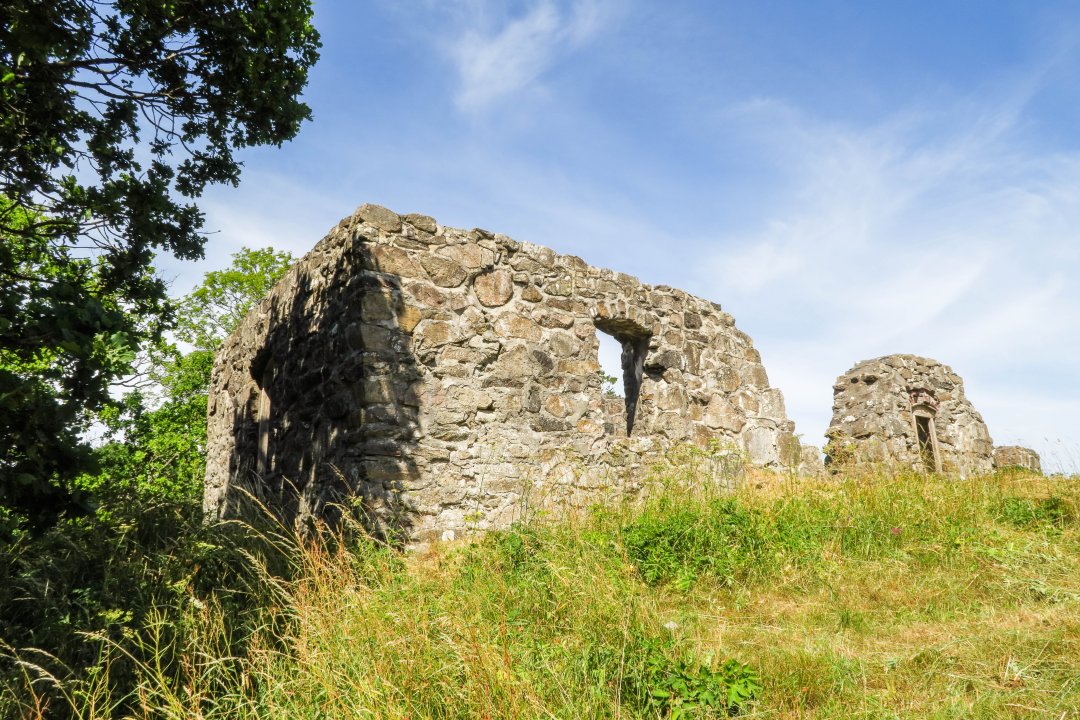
pixel 873 595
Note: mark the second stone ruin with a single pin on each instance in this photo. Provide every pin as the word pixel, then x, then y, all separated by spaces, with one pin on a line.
pixel 911 412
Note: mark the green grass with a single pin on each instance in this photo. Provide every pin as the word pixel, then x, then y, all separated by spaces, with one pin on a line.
pixel 868 597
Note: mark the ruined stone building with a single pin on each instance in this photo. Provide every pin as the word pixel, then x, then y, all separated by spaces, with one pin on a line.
pixel 911 412
pixel 1017 457
pixel 446 379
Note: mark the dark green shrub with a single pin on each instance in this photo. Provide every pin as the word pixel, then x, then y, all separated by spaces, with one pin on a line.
pixel 516 547
pixel 116 577
pixel 722 539
pixel 686 688
pixel 659 681
pixel 1030 513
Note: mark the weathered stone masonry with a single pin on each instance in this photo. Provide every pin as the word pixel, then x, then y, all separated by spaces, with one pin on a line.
pixel 911 412
pixel 448 377
pixel 907 411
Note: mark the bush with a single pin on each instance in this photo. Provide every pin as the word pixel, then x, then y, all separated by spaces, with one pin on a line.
pixel 1029 513
pixel 656 679
pixel 721 539
pixel 685 687
pixel 122 584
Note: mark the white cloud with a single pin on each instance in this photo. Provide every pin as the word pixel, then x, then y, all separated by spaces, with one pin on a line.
pixel 495 60
pixel 762 263
pixel 938 233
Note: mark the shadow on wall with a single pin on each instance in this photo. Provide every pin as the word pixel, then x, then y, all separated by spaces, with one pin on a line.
pixel 333 413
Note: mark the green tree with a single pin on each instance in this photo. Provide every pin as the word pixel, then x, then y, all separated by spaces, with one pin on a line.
pixel 144 547
pixel 53 366
pixel 114 116
pixel 214 309
pixel 157 446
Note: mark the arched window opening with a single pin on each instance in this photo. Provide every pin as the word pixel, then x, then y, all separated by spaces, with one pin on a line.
pixel 924 407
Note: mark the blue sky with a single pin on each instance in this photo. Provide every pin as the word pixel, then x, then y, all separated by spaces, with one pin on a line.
pixel 848 179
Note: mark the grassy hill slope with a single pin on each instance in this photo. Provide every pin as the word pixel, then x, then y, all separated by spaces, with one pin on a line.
pixel 870 596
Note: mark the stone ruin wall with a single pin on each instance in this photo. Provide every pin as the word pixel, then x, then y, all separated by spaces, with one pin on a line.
pixel 445 379
pixel 876 410
pixel 1017 458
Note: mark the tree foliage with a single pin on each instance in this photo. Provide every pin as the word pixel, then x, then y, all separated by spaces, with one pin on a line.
pixel 114 116
pixel 155 451
pixel 213 310
pixel 63 335
pixel 157 445
pixel 103 574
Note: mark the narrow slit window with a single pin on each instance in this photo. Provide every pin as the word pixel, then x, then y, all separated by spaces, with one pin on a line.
pixel 263 416
pixel 924 429
pixel 622 361
pixel 611 384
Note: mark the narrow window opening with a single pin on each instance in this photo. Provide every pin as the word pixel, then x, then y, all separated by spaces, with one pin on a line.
pixel 622 362
pixel 263 414
pixel 610 358
pixel 924 430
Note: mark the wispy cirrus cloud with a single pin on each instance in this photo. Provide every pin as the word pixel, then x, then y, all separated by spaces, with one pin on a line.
pixel 939 232
pixel 497 55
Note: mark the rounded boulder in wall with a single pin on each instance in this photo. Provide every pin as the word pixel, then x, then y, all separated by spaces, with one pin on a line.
pixel 494 289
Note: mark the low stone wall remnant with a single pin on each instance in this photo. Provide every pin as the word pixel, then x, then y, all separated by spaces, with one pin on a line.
pixel 1015 456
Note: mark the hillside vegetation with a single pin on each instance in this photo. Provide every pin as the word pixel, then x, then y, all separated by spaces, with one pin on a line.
pixel 871 596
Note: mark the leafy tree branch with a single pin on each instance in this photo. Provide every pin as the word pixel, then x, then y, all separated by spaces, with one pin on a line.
pixel 114 117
